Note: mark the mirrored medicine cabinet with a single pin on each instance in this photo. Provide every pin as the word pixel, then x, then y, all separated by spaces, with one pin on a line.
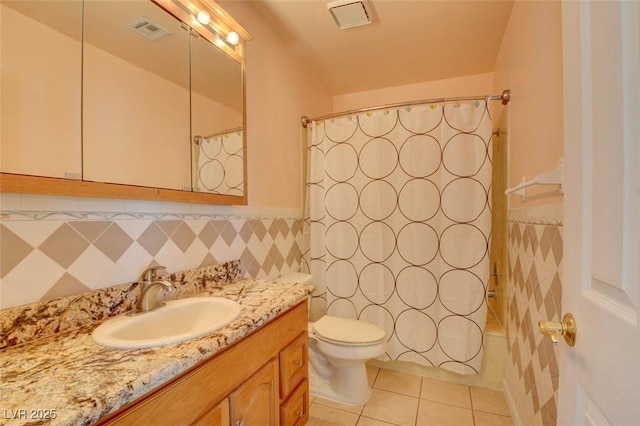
pixel 123 99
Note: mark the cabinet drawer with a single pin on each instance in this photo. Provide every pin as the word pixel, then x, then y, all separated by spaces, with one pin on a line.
pixel 295 410
pixel 293 364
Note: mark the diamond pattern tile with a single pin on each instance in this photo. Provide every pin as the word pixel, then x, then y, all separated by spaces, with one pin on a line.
pixel 534 294
pixel 183 237
pixel 208 260
pixel 64 246
pixel 208 235
pixel 228 233
pixel 261 231
pixel 13 248
pixel 246 232
pixel 169 226
pixel 35 274
pixel 249 263
pixel 276 256
pixel 66 286
pixel 113 242
pixel 74 256
pixel 274 229
pixel 90 229
pixel 153 239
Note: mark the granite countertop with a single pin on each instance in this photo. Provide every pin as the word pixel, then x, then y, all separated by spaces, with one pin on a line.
pixel 69 377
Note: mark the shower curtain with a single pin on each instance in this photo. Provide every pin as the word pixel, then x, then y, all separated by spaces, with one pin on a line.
pixel 397 227
pixel 221 164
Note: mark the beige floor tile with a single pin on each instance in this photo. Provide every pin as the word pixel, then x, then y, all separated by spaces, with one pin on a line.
pixel 320 415
pixel 391 407
pixel 489 401
pixel 355 409
pixel 435 414
pixel 366 421
pixel 445 392
pixel 372 372
pixel 488 419
pixel 393 381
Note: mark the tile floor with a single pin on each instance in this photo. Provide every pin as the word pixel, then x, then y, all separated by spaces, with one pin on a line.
pixel 406 399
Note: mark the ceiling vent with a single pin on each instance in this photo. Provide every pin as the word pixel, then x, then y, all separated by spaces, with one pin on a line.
pixel 350 13
pixel 148 29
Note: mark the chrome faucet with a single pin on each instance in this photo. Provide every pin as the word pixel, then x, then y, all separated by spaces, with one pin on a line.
pixel 151 284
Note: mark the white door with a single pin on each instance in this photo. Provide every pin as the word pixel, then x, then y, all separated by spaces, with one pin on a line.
pixel 600 375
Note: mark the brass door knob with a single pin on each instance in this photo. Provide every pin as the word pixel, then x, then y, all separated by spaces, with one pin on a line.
pixel 566 329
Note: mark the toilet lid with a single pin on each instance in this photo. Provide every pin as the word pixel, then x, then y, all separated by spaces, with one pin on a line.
pixel 347 330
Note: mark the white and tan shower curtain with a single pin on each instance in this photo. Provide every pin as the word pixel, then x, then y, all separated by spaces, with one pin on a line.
pixel 221 163
pixel 397 227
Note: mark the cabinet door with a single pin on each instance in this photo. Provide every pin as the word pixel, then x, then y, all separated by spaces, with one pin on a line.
pixel 217 416
pixel 255 402
pixel 293 364
pixel 295 410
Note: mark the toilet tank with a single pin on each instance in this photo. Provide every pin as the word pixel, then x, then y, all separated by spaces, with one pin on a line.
pixel 295 277
pixel 298 277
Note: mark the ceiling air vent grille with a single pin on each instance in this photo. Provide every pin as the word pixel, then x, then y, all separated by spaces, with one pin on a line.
pixel 350 13
pixel 148 29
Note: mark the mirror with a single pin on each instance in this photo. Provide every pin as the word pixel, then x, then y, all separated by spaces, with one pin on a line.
pixel 135 95
pixel 162 106
pixel 41 86
pixel 216 120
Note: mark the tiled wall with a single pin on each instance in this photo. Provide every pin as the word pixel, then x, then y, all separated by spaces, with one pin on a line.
pixel 534 293
pixel 51 254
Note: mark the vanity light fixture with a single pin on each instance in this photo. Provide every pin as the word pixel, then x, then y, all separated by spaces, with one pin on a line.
pixel 233 38
pixel 220 41
pixel 203 17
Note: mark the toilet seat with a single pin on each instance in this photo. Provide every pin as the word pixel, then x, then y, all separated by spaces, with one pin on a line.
pixel 344 331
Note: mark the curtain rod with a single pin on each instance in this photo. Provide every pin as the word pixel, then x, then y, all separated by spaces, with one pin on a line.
pixel 505 97
pixel 197 138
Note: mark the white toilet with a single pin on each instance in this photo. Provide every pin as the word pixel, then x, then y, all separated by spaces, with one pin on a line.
pixel 338 351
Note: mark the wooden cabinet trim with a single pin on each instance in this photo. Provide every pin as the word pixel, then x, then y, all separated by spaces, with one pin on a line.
pixel 26 184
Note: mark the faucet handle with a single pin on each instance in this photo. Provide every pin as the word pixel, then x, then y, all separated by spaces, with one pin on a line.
pixel 151 274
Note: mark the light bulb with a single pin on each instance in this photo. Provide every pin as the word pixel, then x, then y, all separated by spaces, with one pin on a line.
pixel 203 17
pixel 233 38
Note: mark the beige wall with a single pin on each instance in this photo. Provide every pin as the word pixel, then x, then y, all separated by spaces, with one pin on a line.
pixel 530 64
pixel 479 84
pixel 279 91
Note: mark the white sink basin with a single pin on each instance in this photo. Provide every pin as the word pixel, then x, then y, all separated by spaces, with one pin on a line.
pixel 177 321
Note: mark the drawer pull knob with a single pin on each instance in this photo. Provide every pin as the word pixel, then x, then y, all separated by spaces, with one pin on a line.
pixel 299 363
pixel 299 413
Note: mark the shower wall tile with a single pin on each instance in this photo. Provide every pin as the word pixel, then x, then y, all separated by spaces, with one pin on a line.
pixel 48 255
pixel 534 294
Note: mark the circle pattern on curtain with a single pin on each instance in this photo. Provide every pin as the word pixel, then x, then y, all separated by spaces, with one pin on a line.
pixel 398 223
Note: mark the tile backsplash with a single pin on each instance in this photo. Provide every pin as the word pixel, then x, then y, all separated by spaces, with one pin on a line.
pixel 535 245
pixel 50 254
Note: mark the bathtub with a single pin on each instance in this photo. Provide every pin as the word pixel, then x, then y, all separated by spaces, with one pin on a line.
pixel 493 361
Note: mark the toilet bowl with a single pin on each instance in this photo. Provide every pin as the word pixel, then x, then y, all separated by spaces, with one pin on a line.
pixel 338 351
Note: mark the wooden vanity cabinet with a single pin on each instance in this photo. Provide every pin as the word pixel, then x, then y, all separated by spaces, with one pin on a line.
pixel 294 384
pixel 242 385
pixel 216 416
pixel 253 402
